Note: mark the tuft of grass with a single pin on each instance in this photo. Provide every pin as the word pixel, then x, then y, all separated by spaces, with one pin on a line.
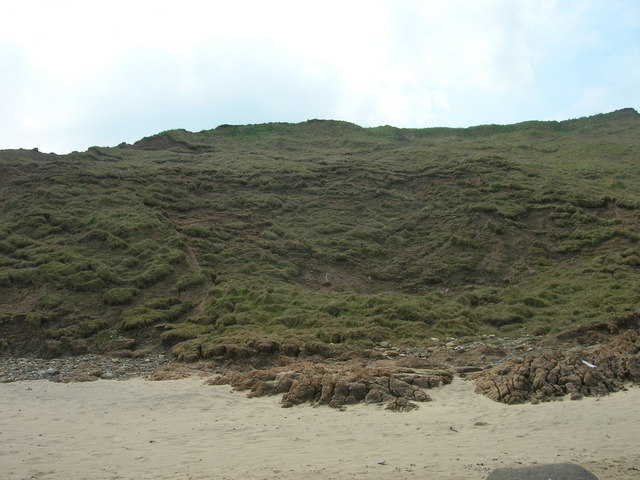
pixel 192 280
pixel 120 295
pixel 180 332
pixel 153 274
pixel 154 311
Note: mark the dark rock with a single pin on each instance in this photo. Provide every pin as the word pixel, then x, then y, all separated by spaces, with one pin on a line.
pixel 560 471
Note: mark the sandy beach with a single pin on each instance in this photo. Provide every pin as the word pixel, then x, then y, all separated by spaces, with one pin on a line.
pixel 182 429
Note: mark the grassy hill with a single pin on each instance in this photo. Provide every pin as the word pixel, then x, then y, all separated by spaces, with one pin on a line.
pixel 319 233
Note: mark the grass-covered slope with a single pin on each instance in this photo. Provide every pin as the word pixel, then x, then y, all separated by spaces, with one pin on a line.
pixel 320 232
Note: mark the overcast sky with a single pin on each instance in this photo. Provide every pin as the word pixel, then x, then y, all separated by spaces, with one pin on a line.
pixel 78 73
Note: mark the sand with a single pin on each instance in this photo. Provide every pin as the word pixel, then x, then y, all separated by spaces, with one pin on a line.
pixel 181 429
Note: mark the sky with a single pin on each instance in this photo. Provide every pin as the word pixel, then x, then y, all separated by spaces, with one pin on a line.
pixel 79 73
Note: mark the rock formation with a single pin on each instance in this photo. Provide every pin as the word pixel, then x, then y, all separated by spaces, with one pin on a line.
pixel 336 386
pixel 581 372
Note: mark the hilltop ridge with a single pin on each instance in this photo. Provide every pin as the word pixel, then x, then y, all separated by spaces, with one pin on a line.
pixel 627 117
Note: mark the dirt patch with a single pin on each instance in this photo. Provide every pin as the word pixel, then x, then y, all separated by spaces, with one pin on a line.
pixel 336 386
pixel 597 370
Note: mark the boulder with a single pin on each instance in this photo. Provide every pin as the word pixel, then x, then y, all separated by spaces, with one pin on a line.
pixel 558 471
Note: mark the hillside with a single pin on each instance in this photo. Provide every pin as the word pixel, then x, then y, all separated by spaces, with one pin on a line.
pixel 319 235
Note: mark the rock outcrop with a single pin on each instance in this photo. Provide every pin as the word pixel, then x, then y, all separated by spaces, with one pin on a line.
pixel 336 386
pixel 581 372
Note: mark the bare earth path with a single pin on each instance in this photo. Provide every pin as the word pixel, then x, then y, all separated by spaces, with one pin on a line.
pixel 138 429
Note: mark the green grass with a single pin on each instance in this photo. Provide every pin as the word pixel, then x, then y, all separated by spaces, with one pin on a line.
pixel 119 296
pixel 327 233
pixel 154 311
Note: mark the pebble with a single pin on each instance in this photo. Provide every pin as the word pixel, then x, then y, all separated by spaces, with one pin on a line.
pixel 69 369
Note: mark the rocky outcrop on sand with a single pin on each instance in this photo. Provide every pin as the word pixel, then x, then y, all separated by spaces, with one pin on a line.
pixel 336 386
pixel 580 372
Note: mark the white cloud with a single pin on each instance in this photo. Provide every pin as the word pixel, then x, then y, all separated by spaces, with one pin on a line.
pixel 83 73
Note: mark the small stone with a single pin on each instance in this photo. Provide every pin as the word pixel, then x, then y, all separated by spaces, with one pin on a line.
pixel 400 404
pixel 51 372
pixel 107 376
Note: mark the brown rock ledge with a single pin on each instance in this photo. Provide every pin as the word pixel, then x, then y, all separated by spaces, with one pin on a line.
pixel 336 386
pixel 579 372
